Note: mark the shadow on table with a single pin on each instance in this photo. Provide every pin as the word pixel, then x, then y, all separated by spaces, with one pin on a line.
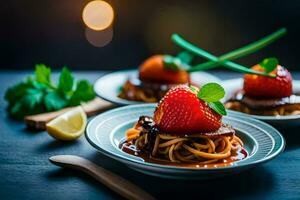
pixel 53 144
pixel 60 175
pixel 249 183
pixel 292 137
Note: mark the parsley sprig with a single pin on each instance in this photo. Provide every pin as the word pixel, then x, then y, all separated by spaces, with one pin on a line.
pixel 38 94
pixel 212 93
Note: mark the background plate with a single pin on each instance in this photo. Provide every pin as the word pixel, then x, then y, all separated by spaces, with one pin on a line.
pixel 105 132
pixel 108 86
pixel 233 85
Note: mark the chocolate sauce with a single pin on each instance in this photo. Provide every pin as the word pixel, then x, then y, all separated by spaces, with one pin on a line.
pixel 150 128
pixel 237 155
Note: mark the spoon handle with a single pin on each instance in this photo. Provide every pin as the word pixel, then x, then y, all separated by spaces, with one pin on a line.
pixel 111 180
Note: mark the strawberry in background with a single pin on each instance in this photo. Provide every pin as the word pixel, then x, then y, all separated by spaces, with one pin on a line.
pixel 271 87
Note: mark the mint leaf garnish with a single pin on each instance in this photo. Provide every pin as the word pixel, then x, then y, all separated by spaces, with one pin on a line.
pixel 172 63
pixel 218 107
pixel 194 89
pixel 211 92
pixel 181 61
pixel 269 64
pixel 185 57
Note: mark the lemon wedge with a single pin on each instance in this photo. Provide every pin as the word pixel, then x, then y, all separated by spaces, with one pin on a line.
pixel 68 126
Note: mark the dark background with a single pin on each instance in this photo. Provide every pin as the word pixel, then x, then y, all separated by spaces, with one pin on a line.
pixel 52 31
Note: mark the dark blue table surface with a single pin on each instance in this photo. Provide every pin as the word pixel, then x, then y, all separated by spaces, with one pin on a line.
pixel 25 172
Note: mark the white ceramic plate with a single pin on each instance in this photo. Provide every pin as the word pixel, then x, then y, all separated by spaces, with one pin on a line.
pixel 233 85
pixel 108 86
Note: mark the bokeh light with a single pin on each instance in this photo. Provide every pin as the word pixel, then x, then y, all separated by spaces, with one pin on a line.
pixel 99 38
pixel 98 15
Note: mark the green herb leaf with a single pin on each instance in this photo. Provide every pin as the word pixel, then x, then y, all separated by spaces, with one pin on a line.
pixel 218 107
pixel 84 92
pixel 185 57
pixel 15 93
pixel 66 81
pixel 269 64
pixel 42 74
pixel 16 110
pixel 194 89
pixel 38 95
pixel 172 63
pixel 30 103
pixel 54 101
pixel 32 98
pixel 211 92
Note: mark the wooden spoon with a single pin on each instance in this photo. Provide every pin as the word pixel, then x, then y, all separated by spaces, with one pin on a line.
pixel 111 180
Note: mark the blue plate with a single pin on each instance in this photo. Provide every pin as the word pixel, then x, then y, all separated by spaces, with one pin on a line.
pixel 109 86
pixel 107 130
pixel 232 85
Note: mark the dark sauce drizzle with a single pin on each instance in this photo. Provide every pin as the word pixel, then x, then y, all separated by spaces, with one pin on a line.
pixel 151 128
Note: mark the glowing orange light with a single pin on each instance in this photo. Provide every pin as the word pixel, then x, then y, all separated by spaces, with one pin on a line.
pixel 98 15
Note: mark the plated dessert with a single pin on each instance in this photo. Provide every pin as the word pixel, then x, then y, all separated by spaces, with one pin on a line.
pixel 159 73
pixel 267 96
pixel 186 130
pixel 155 78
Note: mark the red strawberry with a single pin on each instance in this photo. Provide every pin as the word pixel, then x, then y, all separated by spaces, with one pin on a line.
pixel 153 70
pixel 262 86
pixel 182 112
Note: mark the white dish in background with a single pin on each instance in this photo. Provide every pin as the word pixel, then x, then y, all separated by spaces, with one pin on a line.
pixel 108 86
pixel 232 85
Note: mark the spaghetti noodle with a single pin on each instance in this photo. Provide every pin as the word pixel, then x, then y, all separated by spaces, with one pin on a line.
pixel 195 148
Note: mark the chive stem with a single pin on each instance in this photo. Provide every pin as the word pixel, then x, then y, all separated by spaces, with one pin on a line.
pixel 200 52
pixel 243 51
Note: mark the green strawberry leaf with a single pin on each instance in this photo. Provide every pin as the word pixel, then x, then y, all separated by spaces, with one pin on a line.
pixel 66 81
pixel 269 64
pixel 194 89
pixel 55 101
pixel 172 63
pixel 84 92
pixel 185 57
pixel 218 107
pixel 43 74
pixel 211 92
